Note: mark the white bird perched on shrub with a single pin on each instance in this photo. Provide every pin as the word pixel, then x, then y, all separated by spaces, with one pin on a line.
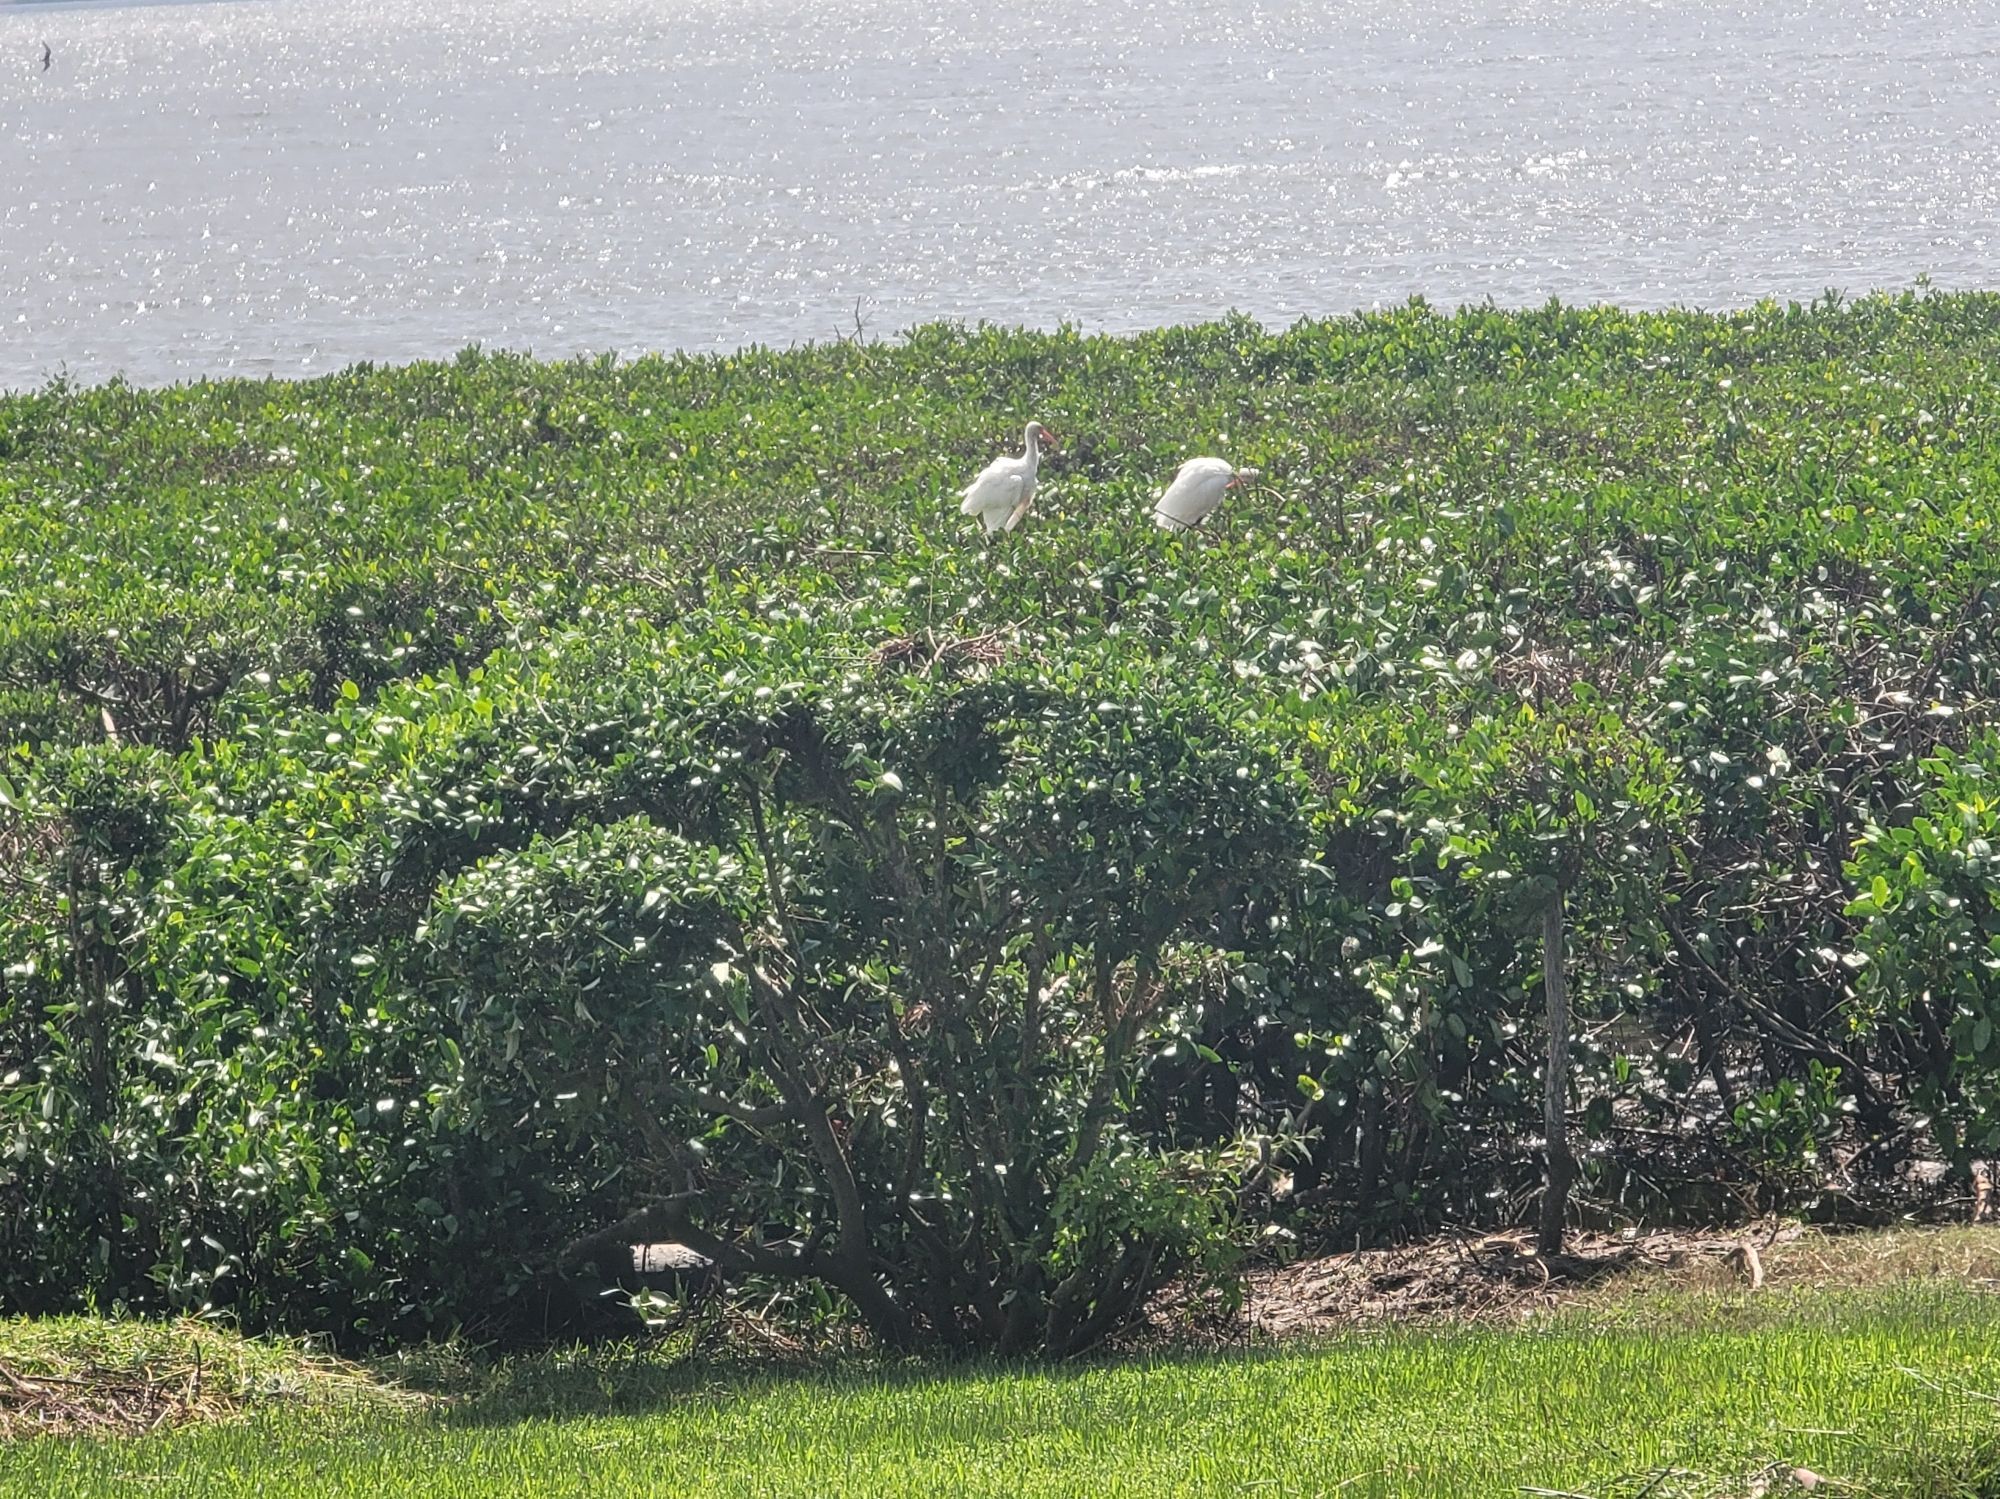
pixel 1005 487
pixel 1197 489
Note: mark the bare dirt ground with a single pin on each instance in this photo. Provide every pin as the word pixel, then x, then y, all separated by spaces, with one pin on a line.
pixel 1498 1278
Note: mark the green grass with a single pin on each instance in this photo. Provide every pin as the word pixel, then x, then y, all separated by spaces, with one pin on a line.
pixel 1681 1395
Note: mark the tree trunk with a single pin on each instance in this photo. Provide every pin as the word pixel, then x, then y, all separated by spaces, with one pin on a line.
pixel 1555 1083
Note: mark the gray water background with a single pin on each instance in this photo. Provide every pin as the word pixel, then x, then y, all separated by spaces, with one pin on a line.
pixel 288 186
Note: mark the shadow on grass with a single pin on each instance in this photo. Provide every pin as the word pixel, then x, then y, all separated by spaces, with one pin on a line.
pixel 477 1389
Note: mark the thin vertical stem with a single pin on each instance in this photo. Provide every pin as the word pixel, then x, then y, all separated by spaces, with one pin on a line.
pixel 1555 1082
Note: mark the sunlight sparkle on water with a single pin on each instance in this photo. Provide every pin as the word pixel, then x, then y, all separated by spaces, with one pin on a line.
pixel 256 186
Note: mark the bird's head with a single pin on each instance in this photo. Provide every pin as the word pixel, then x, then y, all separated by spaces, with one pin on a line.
pixel 1243 476
pixel 1042 435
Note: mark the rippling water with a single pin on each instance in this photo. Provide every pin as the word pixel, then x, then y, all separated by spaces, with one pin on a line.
pixel 282 186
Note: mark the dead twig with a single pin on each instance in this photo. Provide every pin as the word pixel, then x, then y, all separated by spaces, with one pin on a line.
pixel 927 652
pixel 1746 1259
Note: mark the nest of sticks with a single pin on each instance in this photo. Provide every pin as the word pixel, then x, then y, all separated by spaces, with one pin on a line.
pixel 929 653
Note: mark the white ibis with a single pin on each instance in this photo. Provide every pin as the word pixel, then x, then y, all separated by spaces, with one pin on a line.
pixel 1005 488
pixel 1197 489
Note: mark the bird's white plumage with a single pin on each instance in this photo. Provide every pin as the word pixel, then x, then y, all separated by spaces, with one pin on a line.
pixel 996 494
pixel 1005 488
pixel 1196 491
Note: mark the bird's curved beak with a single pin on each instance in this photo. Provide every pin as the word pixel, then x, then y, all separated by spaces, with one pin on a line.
pixel 1050 438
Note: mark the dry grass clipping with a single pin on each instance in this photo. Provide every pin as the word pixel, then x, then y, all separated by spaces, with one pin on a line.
pixel 75 1377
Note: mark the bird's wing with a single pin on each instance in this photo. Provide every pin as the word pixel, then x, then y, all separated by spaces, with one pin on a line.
pixel 1196 490
pixel 1024 493
pixel 1002 467
pixel 1008 500
pixel 998 486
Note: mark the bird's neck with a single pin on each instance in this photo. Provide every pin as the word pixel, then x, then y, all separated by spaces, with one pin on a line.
pixel 1033 445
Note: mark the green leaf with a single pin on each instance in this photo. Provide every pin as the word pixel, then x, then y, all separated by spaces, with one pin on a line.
pixel 735 990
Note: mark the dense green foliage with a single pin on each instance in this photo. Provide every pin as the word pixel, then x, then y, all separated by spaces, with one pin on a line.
pixel 1881 1393
pixel 460 810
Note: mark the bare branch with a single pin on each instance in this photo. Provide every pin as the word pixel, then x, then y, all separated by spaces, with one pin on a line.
pixel 757 1116
pixel 667 1218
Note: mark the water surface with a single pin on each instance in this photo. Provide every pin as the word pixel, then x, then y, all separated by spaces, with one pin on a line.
pixel 276 186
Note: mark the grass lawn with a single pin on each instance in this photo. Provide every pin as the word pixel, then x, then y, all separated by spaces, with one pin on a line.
pixel 1881 1390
